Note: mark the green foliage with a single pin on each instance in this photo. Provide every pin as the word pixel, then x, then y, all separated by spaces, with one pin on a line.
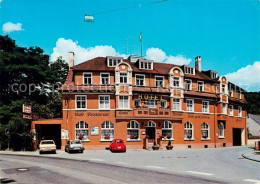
pixel 23 73
pixel 253 99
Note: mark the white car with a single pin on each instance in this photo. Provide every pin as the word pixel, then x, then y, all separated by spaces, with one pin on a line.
pixel 47 146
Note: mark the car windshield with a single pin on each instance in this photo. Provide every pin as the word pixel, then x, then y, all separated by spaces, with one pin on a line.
pixel 47 142
pixel 118 141
pixel 75 142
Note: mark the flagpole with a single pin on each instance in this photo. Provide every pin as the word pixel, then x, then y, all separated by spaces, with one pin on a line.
pixel 141 40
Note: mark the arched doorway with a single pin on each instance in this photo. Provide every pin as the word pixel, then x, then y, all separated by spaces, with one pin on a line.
pixel 150 128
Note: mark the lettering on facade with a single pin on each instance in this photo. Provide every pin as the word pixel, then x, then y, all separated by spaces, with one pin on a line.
pixel 148 97
pixel 176 114
pixel 238 120
pixel 198 116
pixel 97 114
pixel 79 113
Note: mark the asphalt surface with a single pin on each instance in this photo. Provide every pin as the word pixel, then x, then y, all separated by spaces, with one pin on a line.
pixel 27 169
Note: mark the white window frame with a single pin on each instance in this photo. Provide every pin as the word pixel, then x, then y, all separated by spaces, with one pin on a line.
pixel 231 113
pixel 159 76
pixel 81 104
pixel 224 108
pixel 240 110
pixel 179 79
pixel 124 76
pixel 123 102
pixel 189 70
pixel 192 100
pixel 239 94
pixel 188 129
pixel 165 103
pixel 169 128
pixel 190 85
pixel 86 128
pixel 136 79
pixel 207 110
pixel 113 64
pixel 139 103
pixel 204 128
pixel 104 97
pixel 199 86
pixel 179 104
pixel 111 126
pixel 101 78
pixel 223 86
pixel 90 77
pixel 145 65
pixel 153 103
pixel 219 130
pixel 136 127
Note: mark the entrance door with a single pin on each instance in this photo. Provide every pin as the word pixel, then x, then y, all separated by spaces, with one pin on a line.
pixel 237 137
pixel 150 131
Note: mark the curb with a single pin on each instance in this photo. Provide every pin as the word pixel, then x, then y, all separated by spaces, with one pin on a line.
pixel 246 157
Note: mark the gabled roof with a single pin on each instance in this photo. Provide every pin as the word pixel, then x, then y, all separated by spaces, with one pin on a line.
pixel 256 118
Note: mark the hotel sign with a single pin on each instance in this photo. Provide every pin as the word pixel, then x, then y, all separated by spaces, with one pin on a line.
pixel 150 97
pixel 94 130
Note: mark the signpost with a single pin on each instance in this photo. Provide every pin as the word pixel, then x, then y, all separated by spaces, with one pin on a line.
pixel 27 110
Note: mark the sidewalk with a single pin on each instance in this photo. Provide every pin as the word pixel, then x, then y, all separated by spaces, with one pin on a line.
pixel 252 155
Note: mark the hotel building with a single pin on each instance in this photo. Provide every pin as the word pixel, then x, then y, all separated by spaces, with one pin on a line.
pixel 142 101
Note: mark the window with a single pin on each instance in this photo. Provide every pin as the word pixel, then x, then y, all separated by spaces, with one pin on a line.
pixel 114 61
pixel 123 102
pixel 200 86
pixel 214 75
pixel 190 105
pixel 221 130
pixel 164 104
pixel 188 84
pixel 167 130
pixel 159 81
pixel 240 111
pixel 224 108
pixel 189 70
pixel 188 130
pixel 104 102
pixel 150 124
pixel 123 77
pixel 107 130
pixel 231 112
pixel 133 130
pixel 104 78
pixel 176 104
pixel 239 94
pixel 81 130
pixel 205 130
pixel 230 92
pixel 176 81
pixel 81 101
pixel 146 65
pixel 87 77
pixel 223 88
pixel 205 106
pixel 139 80
pixel 137 102
pixel 150 103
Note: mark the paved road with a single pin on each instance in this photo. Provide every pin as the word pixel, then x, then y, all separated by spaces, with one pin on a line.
pixel 221 164
pixel 53 170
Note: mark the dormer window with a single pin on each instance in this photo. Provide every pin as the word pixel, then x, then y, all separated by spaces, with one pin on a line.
pixel 189 70
pixel 146 64
pixel 214 75
pixel 113 61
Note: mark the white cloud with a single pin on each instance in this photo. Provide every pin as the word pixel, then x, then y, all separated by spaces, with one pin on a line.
pixel 9 27
pixel 158 55
pixel 247 77
pixel 63 47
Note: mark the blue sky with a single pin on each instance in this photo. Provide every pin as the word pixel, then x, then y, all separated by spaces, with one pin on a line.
pixel 226 33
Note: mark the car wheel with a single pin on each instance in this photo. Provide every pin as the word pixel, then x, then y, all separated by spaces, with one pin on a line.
pixel 40 152
pixel 125 150
pixel 54 152
pixel 81 151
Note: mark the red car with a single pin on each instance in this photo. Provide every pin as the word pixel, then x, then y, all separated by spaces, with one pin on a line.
pixel 117 145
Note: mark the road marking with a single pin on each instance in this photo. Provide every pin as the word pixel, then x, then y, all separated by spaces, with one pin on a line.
pixel 121 162
pixel 201 173
pixel 253 181
pixel 156 167
pixel 96 159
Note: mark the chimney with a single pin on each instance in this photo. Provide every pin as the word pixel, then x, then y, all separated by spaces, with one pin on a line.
pixel 198 63
pixel 71 59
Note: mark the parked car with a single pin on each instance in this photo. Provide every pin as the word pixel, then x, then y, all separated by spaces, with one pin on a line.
pixel 47 146
pixel 74 145
pixel 117 145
